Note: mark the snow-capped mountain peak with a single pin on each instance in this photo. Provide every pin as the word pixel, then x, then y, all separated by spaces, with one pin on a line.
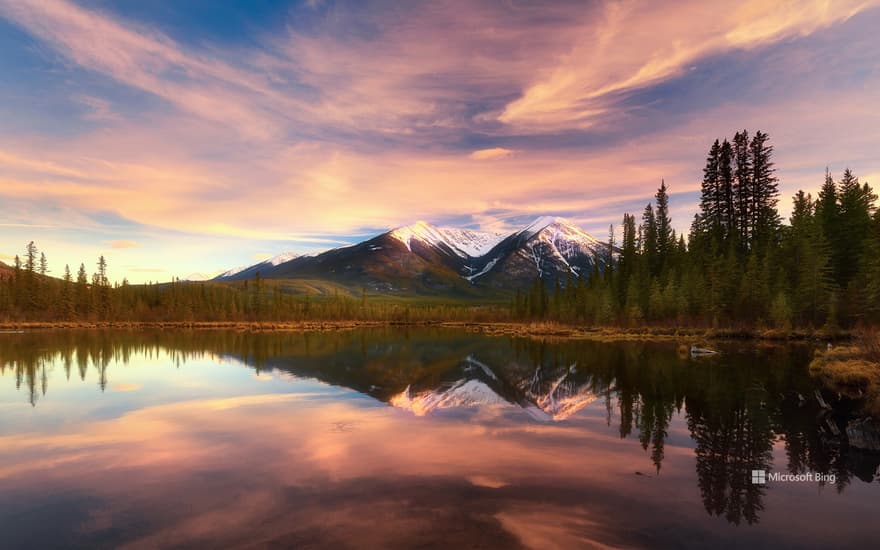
pixel 557 226
pixel 281 258
pixel 463 393
pixel 441 259
pixel 420 231
pixel 233 271
pixel 553 395
pixel 555 244
pixel 472 243
pixel 541 223
pixel 259 267
pixel 466 243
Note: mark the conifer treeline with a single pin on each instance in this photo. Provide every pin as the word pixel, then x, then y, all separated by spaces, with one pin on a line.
pixel 28 294
pixel 740 266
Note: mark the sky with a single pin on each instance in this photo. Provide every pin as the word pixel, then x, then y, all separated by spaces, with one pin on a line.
pixel 189 137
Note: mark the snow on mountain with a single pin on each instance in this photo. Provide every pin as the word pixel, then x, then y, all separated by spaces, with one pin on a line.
pixel 471 364
pixel 540 224
pixel 549 247
pixel 563 398
pixel 486 269
pixel 280 258
pixel 562 401
pixel 466 243
pixel 252 269
pixel 463 393
pixel 545 396
pixel 563 235
pixel 233 271
pixel 421 231
pixel 470 242
pixel 556 241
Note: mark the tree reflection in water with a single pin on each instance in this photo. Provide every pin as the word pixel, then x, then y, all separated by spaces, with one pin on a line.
pixel 735 405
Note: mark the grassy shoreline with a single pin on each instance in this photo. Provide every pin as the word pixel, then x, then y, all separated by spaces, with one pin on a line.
pixel 535 329
pixel 852 371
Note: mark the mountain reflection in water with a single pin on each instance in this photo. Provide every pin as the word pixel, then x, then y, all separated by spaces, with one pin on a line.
pixel 489 442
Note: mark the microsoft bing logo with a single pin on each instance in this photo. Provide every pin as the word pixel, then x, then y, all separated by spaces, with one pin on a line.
pixel 759 477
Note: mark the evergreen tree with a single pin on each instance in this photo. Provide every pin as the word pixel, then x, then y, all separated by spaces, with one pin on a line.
pixel 31 286
pixel 872 271
pixel 609 254
pixel 665 240
pixel 765 191
pixel 627 265
pixel 67 305
pixel 31 257
pixel 827 213
pixel 83 304
pixel 725 183
pixel 710 199
pixel 808 259
pixel 743 185
pixel 649 236
pixel 102 287
pixel 855 208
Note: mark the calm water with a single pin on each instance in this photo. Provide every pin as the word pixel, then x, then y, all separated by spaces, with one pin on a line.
pixel 417 438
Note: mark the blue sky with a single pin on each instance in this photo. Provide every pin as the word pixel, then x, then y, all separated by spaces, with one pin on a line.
pixel 182 137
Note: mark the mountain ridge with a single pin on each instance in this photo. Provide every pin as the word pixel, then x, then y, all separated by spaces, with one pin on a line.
pixel 425 259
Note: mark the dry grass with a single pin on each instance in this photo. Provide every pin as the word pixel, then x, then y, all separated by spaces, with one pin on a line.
pixel 853 371
pixel 529 329
pixel 868 340
pixel 199 325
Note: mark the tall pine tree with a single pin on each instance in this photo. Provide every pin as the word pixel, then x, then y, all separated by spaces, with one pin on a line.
pixel 665 240
pixel 743 185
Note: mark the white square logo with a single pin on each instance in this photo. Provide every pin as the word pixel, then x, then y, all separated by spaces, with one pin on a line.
pixel 759 477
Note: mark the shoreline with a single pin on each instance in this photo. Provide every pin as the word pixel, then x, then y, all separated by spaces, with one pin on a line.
pixel 852 371
pixel 524 329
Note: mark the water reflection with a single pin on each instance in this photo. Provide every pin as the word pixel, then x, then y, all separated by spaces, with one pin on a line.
pixel 524 431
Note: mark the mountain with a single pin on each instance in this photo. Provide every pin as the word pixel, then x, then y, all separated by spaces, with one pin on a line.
pixel 550 248
pixel 198 277
pixel 425 259
pixel 465 243
pixel 448 376
pixel 247 272
pixel 403 261
pixel 545 396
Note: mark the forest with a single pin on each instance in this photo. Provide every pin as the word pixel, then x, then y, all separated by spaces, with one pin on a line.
pixel 739 266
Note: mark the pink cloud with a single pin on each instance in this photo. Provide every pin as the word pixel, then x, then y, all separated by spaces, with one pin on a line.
pixel 225 156
pixel 636 45
pixel 494 153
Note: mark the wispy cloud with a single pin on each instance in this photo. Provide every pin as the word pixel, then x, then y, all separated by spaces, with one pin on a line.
pixel 27 225
pixel 143 58
pixel 370 117
pixel 493 153
pixel 122 244
pixel 639 44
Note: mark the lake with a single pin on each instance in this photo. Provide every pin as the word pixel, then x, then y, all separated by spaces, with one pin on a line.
pixel 400 438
